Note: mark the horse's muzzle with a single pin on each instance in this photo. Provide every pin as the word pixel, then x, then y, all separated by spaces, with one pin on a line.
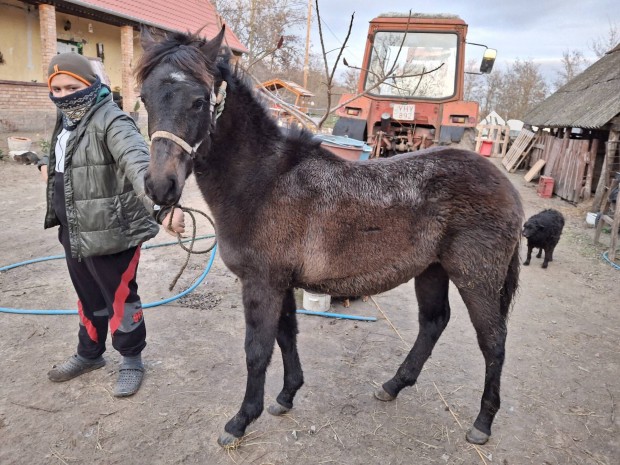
pixel 165 178
pixel 164 191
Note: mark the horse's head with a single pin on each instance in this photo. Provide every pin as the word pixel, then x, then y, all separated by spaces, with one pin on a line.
pixel 176 73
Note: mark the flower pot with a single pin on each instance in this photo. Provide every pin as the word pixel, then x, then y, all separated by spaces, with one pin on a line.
pixel 19 144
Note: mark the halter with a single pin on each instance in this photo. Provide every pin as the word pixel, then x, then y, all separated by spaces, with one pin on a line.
pixel 215 113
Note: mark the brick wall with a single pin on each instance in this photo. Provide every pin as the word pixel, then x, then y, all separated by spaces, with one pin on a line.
pixel 26 107
pixel 47 24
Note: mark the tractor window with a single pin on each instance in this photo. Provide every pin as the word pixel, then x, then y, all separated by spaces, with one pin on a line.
pixel 425 66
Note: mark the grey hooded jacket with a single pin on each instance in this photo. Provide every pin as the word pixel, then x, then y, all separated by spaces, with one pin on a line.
pixel 105 162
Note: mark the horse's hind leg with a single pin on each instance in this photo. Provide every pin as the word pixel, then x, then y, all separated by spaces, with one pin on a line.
pixel 489 320
pixel 287 340
pixel 434 313
pixel 262 305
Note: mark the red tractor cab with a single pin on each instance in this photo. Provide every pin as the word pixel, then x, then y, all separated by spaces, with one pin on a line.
pixel 412 77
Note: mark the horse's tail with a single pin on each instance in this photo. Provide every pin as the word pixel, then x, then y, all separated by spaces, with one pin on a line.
pixel 511 283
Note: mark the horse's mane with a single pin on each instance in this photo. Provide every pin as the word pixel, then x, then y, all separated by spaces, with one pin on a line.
pixel 182 50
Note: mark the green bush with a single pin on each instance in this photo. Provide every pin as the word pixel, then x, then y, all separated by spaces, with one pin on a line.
pixel 45 146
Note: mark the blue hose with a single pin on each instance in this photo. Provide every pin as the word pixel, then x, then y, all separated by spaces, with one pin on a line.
pixel 606 258
pixel 337 315
pixel 159 302
pixel 74 312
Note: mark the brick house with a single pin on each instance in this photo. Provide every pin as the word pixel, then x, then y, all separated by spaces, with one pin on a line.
pixel 105 31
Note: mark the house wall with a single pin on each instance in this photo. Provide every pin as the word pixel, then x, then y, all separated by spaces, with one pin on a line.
pixel 24 102
pixel 20 42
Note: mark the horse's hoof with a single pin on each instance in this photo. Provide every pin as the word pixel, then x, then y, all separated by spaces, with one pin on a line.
pixel 383 395
pixel 228 441
pixel 276 410
pixel 475 436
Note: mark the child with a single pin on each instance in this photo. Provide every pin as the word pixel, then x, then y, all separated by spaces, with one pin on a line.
pixel 95 194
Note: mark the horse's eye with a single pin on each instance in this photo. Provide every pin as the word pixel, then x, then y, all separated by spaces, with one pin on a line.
pixel 199 104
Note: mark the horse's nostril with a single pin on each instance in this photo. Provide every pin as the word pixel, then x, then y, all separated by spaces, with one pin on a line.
pixel 173 184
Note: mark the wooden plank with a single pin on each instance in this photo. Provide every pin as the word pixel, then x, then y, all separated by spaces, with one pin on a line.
pixel 604 218
pixel 553 154
pixel 521 150
pixel 581 171
pixel 591 160
pixel 615 228
pixel 517 148
pixel 531 174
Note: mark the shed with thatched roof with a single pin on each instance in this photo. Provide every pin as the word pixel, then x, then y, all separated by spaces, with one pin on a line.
pixel 584 117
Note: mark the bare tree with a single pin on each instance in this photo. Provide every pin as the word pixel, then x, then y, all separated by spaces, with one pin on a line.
pixel 259 24
pixel 473 80
pixel 350 79
pixel 573 63
pixel 523 87
pixel 488 95
pixel 603 44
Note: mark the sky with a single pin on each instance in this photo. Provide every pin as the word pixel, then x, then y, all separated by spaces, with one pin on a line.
pixel 537 30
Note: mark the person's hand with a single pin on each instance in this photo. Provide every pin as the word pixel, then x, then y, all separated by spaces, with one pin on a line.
pixel 44 172
pixel 178 222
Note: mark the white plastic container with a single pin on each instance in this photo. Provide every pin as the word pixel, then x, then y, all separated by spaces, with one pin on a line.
pixel 591 219
pixel 316 302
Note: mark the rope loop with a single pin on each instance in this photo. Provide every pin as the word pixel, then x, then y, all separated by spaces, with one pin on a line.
pixel 190 250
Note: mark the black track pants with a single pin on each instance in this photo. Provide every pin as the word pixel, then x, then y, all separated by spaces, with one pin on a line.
pixel 108 294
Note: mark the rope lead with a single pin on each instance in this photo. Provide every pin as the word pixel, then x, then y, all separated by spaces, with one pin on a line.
pixel 189 250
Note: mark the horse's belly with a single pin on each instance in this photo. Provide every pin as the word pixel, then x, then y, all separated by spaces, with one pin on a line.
pixel 364 273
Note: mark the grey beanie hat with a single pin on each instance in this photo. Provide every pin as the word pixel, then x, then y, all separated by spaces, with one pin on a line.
pixel 74 65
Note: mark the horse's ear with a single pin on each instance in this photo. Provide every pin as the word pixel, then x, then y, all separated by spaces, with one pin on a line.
pixel 146 38
pixel 211 49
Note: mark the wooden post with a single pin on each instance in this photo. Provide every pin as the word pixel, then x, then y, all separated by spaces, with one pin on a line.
pixel 610 152
pixel 307 56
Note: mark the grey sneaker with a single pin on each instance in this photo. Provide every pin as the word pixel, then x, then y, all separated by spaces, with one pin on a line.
pixel 74 366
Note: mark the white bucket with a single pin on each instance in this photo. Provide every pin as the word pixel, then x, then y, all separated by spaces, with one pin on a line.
pixel 591 219
pixel 316 302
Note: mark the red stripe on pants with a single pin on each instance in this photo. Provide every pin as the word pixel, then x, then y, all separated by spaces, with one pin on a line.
pixel 120 296
pixel 90 328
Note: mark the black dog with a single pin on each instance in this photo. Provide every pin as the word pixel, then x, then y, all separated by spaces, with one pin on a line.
pixel 543 231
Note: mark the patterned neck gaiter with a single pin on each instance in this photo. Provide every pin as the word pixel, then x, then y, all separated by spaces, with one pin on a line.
pixel 74 106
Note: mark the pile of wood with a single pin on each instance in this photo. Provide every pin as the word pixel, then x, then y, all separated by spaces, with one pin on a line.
pixel 570 162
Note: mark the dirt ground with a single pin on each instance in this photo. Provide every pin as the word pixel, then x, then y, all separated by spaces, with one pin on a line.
pixel 560 387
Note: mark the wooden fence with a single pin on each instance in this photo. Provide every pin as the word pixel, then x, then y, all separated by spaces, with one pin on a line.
pixel 570 162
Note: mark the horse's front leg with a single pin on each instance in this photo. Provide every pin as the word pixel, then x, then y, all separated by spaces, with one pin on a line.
pixel 262 305
pixel 287 340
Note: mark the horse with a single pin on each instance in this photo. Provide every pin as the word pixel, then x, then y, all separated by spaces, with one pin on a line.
pixel 289 214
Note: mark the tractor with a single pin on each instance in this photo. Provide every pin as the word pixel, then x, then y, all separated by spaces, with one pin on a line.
pixel 412 80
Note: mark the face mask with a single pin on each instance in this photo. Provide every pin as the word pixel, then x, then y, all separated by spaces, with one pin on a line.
pixel 74 106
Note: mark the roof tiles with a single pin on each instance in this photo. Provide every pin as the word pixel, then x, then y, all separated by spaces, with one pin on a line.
pixel 178 15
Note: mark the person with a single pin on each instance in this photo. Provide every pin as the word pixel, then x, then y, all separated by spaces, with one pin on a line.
pixel 95 194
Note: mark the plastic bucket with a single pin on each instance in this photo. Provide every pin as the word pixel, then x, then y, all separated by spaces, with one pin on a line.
pixel 591 219
pixel 316 302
